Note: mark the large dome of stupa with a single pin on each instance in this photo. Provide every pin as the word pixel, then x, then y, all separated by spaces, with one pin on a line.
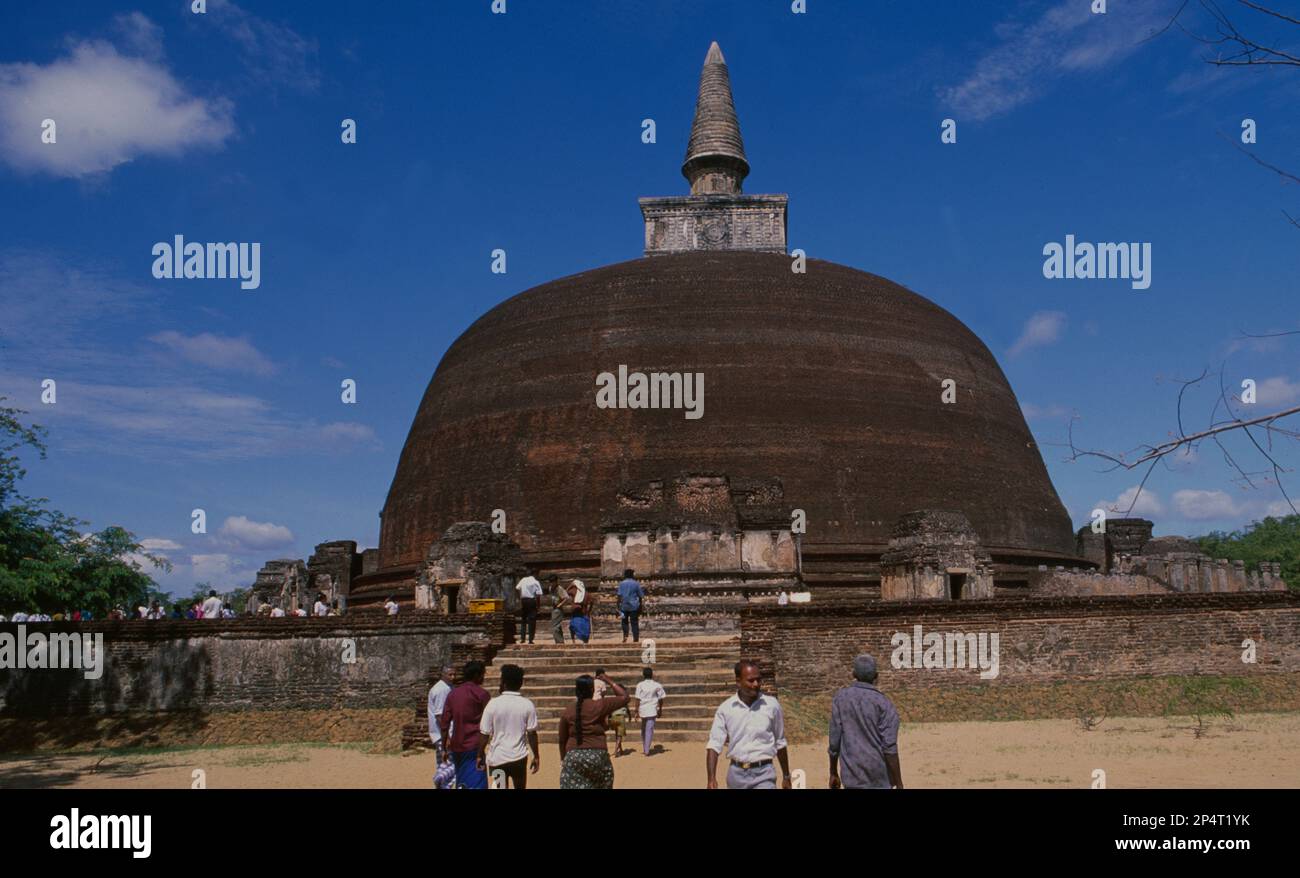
pixel 829 381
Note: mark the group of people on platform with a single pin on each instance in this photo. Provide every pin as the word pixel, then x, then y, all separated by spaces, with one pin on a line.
pixel 319 608
pixel 480 739
pixel 575 602
pixel 212 607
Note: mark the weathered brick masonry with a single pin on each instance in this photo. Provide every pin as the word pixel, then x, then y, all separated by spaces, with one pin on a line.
pixel 811 648
pixel 252 664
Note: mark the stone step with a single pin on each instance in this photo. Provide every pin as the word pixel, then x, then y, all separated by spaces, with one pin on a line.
pixel 680 683
pixel 621 649
pixel 625 675
pixel 632 741
pixel 619 671
pixel 674 720
pixel 628 652
pixel 698 674
pixel 709 699
pixel 699 693
pixel 549 726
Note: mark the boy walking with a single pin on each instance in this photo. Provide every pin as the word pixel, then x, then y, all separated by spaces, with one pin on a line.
pixel 650 706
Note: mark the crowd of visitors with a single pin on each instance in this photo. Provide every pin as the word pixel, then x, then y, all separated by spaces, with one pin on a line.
pixel 478 737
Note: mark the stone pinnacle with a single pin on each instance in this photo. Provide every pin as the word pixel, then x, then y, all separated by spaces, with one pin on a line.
pixel 715 155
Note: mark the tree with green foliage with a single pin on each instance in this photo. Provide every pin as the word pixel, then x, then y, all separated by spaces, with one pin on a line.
pixel 1273 539
pixel 46 562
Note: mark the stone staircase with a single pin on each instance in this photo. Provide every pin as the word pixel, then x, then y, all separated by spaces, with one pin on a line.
pixel 697 673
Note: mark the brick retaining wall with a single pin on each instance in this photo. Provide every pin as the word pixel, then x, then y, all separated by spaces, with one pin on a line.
pixel 810 648
pixel 252 664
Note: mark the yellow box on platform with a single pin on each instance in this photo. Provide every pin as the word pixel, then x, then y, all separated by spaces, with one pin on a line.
pixel 487 605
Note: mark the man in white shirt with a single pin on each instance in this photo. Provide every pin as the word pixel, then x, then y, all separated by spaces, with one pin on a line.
pixel 437 701
pixel 390 606
pixel 530 591
pixel 752 727
pixel 277 613
pixel 649 706
pixel 300 612
pixel 507 731
pixel 321 608
pixel 212 606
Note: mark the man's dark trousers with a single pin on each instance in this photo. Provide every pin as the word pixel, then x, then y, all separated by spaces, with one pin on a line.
pixel 634 617
pixel 527 620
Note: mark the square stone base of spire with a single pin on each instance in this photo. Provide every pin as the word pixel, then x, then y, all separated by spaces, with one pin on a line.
pixel 678 224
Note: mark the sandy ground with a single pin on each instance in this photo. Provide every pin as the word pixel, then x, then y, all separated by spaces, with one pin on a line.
pixel 1252 750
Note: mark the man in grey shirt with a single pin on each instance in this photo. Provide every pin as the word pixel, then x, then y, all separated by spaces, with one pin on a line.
pixel 864 734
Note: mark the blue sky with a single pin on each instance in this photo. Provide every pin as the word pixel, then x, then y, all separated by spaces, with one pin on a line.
pixel 522 131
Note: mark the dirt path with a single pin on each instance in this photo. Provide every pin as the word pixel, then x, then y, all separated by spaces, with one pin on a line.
pixel 1254 750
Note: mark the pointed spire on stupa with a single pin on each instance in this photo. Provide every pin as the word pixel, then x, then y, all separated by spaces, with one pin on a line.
pixel 716 215
pixel 715 155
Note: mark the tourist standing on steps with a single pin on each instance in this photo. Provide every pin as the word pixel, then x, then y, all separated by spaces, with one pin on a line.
pixel 580 606
pixel 752 728
pixel 580 622
pixel 649 706
pixel 618 720
pixel 585 755
pixel 560 600
pixel 630 595
pixel 459 727
pixel 530 591
pixel 864 734
pixel 508 731
pixel 437 701
pixel 391 606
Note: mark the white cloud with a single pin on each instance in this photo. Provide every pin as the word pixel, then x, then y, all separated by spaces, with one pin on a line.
pixel 140 35
pixel 1042 328
pixel 1280 509
pixel 274 55
pixel 244 533
pixel 1148 503
pixel 108 108
pixel 216 351
pixel 219 569
pixel 1031 55
pixel 53 304
pixel 1197 505
pixel 1277 391
pixel 159 545
pixel 173 422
